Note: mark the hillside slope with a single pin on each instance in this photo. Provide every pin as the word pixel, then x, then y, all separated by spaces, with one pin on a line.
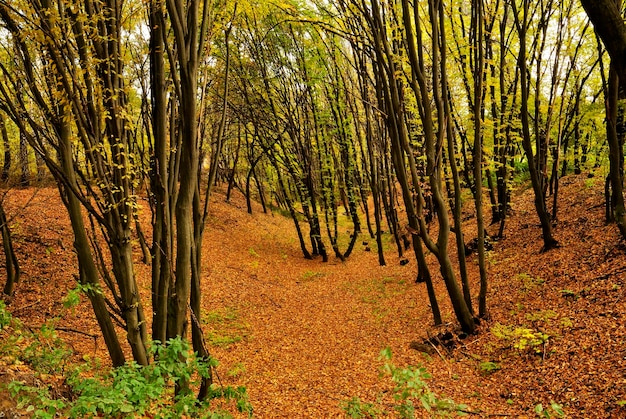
pixel 304 336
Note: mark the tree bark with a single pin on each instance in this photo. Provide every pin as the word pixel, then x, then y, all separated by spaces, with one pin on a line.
pixel 615 153
pixel 609 24
pixel 10 258
pixel 6 165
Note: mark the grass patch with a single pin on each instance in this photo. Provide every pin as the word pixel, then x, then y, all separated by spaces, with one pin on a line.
pixel 489 367
pixel 377 292
pixel 309 276
pixel 224 327
pixel 528 282
pixel 236 370
pixel 542 316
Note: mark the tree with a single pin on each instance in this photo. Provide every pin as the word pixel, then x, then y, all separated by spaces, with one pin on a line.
pixel 478 25
pixel 6 165
pixel 521 23
pixel 11 262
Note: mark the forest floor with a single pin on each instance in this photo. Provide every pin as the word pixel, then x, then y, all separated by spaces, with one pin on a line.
pixel 305 336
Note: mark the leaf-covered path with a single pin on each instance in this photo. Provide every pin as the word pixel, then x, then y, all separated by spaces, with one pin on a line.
pixel 303 336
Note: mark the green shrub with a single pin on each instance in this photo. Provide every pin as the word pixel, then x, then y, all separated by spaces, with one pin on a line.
pixel 489 367
pixel 411 393
pixel 357 409
pixel 410 386
pixel 125 391
pixel 554 411
pixel 36 400
pixel 5 316
pixel 149 389
pixel 47 352
pixel 521 338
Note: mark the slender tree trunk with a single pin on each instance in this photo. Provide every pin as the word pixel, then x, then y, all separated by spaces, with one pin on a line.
pixel 259 188
pixel 479 60
pixel 162 262
pixel 88 270
pixel 10 259
pixel 504 126
pixel 292 212
pixel 190 32
pixel 231 175
pixel 423 275
pixel 615 152
pixel 374 175
pixel 535 175
pixel 248 192
pixel 401 150
pixel 197 336
pixel 24 167
pixel 387 195
pixel 6 166
pixel 434 143
pixel 457 207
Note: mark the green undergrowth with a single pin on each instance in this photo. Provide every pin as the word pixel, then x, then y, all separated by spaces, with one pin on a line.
pixel 224 327
pixel 412 396
pixel 377 293
pixel 52 384
pixel 521 338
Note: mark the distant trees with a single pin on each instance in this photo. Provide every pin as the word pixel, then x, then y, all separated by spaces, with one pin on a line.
pixel 533 107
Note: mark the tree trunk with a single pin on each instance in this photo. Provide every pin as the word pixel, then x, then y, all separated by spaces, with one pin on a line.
pixel 24 167
pixel 535 175
pixel 88 270
pixel 162 255
pixel 478 111
pixel 292 212
pixel 10 259
pixel 189 40
pixel 400 150
pixel 615 152
pixel 231 174
pixel 609 24
pixel 6 166
pixel 259 188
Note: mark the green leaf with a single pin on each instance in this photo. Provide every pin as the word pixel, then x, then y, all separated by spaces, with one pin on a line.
pixel 385 354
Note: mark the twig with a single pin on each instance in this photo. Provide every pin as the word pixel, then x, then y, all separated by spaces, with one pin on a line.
pixel 26 306
pixel 63 329
pixel 440 355
pixel 606 276
pixel 80 332
pixel 471 412
pixel 474 341
pixel 272 300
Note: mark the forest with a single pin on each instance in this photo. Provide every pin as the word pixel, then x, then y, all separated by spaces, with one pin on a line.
pixel 321 208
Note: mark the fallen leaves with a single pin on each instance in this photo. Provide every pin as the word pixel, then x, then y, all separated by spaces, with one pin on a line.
pixel 304 336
